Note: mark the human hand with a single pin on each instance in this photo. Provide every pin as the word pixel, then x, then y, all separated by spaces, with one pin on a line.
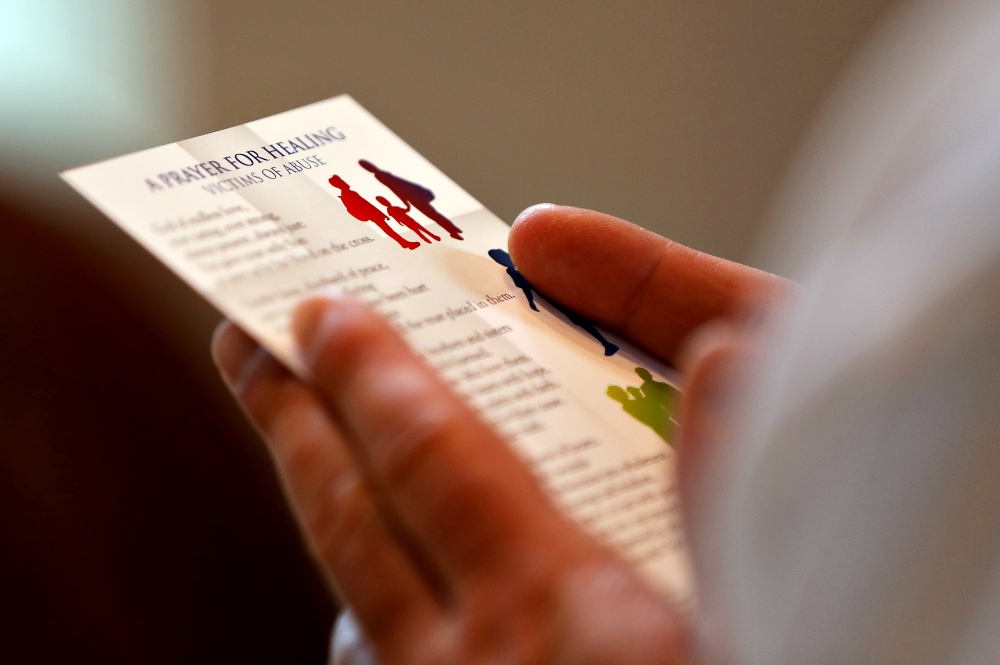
pixel 429 526
pixel 697 311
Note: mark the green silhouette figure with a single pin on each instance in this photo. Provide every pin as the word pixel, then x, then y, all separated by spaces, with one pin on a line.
pixel 653 403
pixel 665 392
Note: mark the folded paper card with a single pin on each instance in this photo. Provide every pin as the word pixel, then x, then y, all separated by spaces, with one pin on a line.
pixel 325 197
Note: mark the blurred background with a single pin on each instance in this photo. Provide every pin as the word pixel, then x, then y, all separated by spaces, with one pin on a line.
pixel 140 520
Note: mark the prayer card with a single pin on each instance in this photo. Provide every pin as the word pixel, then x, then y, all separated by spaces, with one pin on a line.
pixel 325 198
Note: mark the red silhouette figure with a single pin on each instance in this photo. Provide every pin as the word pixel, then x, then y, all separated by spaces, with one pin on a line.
pixel 399 214
pixel 362 210
pixel 410 192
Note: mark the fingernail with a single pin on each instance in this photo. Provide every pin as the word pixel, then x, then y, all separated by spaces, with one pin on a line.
pixel 313 322
pixel 227 353
pixel 236 355
pixel 216 337
pixel 531 210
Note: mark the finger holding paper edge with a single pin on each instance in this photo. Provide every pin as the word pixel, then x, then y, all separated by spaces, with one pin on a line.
pixel 333 500
pixel 454 482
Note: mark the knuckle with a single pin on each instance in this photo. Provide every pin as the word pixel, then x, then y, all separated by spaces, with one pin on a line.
pixel 409 449
pixel 257 385
pixel 530 586
pixel 290 424
pixel 299 454
pixel 503 619
pixel 387 615
pixel 449 499
pixel 260 365
pixel 347 345
pixel 340 517
pixel 455 515
pixel 436 646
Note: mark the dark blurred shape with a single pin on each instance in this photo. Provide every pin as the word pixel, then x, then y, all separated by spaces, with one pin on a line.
pixel 137 524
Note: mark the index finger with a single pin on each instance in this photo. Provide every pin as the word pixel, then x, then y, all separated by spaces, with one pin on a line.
pixel 458 488
pixel 652 290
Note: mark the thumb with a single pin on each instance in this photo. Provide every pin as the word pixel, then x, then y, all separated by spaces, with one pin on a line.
pixel 713 361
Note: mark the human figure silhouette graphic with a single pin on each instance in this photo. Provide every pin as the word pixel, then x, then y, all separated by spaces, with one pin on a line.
pixel 362 210
pixel 416 195
pixel 653 403
pixel 399 214
pixel 665 392
pixel 503 258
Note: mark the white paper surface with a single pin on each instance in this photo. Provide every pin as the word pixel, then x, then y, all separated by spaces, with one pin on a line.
pixel 248 216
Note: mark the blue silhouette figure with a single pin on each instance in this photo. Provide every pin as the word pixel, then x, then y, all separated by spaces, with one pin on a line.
pixel 503 258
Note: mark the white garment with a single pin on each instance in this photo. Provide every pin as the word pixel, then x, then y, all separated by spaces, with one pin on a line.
pixel 856 517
